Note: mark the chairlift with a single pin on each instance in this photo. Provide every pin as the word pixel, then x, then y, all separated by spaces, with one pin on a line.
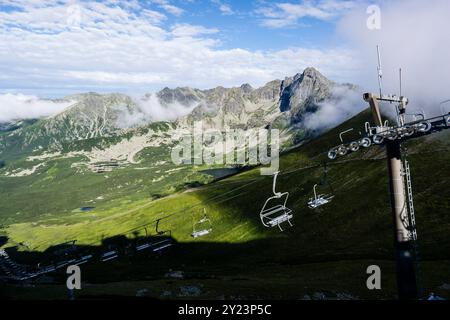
pixel 83 259
pixel 353 146
pixel 408 130
pixel 109 255
pixel 376 133
pixel 162 243
pixel 320 200
pixel 48 269
pixel 378 139
pixel 424 126
pixel 202 227
pixel 161 232
pixel 275 215
pixel 143 244
pixel 365 142
pixel 61 264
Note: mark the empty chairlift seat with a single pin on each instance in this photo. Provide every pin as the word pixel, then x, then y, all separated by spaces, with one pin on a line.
pixel 319 200
pixel 109 255
pixel 157 243
pixel 273 214
pixel 202 227
pixel 83 259
pixel 163 239
pixel 161 245
pixel 143 244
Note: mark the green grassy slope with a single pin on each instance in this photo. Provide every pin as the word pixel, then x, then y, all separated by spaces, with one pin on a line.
pixel 327 251
pixel 62 185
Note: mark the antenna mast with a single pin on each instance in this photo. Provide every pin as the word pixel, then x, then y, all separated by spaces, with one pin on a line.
pixel 380 72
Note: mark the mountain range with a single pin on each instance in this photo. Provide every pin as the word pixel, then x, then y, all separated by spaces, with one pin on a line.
pixel 125 125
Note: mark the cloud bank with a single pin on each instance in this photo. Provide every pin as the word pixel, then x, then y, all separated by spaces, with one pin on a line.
pixel 128 47
pixel 414 36
pixel 19 106
pixel 344 104
pixel 148 109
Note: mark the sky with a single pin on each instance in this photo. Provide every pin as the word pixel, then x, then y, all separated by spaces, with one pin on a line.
pixel 57 47
pixel 54 48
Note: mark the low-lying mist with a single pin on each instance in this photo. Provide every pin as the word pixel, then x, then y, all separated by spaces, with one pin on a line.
pixel 344 104
pixel 150 109
pixel 20 106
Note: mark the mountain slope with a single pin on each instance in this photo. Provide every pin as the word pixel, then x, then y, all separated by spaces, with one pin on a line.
pixel 326 253
pixel 115 128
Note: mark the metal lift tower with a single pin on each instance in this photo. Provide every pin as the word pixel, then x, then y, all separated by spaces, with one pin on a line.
pixel 391 136
pixel 404 242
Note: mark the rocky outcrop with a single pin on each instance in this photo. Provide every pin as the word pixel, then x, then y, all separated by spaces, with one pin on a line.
pixel 185 96
pixel 302 93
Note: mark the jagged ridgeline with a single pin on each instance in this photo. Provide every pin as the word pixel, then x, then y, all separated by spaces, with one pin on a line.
pixel 101 121
pixel 61 163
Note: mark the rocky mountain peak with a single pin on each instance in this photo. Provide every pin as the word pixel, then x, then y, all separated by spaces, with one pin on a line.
pixel 270 91
pixel 303 87
pixel 185 96
pixel 246 88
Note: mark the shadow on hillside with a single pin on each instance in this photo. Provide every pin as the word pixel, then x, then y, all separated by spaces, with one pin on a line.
pixel 132 263
pixel 223 267
pixel 3 240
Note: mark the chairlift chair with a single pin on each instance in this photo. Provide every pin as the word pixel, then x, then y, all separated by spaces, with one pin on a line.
pixel 319 200
pixel 48 269
pixel 62 264
pixel 275 215
pixel 109 255
pixel 161 243
pixel 143 244
pixel 84 259
pixel 202 227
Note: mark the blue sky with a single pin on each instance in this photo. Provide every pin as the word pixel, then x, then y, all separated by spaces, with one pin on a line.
pixel 242 25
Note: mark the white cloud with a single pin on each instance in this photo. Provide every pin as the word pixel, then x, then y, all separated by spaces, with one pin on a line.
pixel 119 49
pixel 19 106
pixel 188 30
pixel 151 106
pixel 148 108
pixel 117 77
pixel 286 14
pixel 224 8
pixel 176 11
pixel 153 16
pixel 414 36
pixel 344 104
